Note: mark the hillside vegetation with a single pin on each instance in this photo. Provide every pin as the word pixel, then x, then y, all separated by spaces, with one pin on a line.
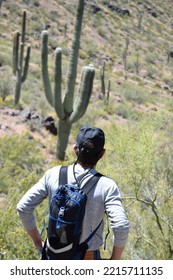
pixel 132 39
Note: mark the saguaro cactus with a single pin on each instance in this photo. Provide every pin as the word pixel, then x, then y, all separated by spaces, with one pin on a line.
pixel 125 54
pixel 102 78
pixel 18 58
pixel 0 4
pixel 67 109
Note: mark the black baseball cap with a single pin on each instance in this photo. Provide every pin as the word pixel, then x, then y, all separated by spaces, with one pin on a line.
pixel 91 134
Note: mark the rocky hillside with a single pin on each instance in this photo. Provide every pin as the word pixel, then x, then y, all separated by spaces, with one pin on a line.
pixel 133 39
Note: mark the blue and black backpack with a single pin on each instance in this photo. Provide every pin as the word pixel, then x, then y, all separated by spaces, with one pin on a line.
pixel 66 214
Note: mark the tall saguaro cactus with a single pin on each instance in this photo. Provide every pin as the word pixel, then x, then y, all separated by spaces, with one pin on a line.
pixel 67 109
pixel 20 69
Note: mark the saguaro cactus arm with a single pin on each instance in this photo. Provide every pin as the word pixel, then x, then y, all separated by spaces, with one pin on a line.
pixel 22 44
pixel 26 65
pixel 15 51
pixel 84 93
pixel 72 70
pixel 44 64
pixel 18 58
pixel 23 27
pixel 57 91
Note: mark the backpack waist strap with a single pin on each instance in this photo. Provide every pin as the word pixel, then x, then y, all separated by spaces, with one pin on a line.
pixel 61 250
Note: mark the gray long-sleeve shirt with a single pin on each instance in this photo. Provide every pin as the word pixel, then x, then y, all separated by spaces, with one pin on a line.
pixel 105 196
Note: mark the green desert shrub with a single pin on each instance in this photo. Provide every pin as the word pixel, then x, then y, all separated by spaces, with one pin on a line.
pixel 134 93
pixel 14 242
pixel 19 156
pixel 6 86
pixel 21 165
pixel 134 153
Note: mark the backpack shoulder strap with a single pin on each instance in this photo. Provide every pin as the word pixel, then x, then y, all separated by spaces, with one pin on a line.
pixel 93 181
pixel 63 175
pixel 62 181
pixel 93 233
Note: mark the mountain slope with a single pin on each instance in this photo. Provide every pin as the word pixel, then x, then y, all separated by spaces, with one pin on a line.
pixel 133 38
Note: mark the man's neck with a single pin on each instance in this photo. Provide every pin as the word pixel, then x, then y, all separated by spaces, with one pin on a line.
pixel 86 165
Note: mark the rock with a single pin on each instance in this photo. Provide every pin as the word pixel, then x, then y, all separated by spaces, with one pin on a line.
pixel 154 109
pixel 166 87
pixel 119 10
pixel 119 98
pixel 152 12
pixel 25 114
pixel 3 127
pixel 34 116
pixel 14 113
pixel 49 124
pixel 93 6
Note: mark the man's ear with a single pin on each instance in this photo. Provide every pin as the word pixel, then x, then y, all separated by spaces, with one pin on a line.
pixel 102 153
pixel 75 150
